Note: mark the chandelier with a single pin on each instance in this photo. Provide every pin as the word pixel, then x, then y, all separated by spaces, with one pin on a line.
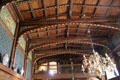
pixel 98 64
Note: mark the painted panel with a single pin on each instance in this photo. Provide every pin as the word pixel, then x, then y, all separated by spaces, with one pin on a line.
pixel 28 72
pixel 22 42
pixel 5 42
pixel 7 19
pixel 30 55
pixel 19 59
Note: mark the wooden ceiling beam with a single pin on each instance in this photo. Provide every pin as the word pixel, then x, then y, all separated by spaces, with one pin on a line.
pixel 57 30
pixel 93 29
pixel 66 46
pixel 105 36
pixel 38 34
pixel 66 5
pixel 50 48
pixel 97 4
pixel 70 8
pixel 41 41
pixel 83 7
pixel 78 29
pixel 47 32
pixel 16 5
pixel 51 22
pixel 31 9
pixel 78 40
pixel 108 9
pixel 62 51
pixel 67 31
pixel 45 9
pixel 28 37
pixel 57 9
pixel 59 50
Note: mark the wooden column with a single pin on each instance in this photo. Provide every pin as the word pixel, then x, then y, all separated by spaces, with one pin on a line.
pixel 26 57
pixel 25 66
pixel 32 69
pixel 14 45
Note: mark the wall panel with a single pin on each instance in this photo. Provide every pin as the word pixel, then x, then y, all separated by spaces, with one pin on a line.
pixel 28 72
pixel 19 59
pixel 5 42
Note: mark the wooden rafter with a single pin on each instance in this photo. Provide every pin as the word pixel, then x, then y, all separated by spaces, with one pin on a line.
pixel 56 30
pixel 57 11
pixel 16 5
pixel 78 28
pixel 28 37
pixel 67 40
pixel 45 9
pixel 66 45
pixel 41 41
pixel 70 8
pixel 62 50
pixel 81 5
pixel 82 34
pixel 51 22
pixel 27 44
pixel 64 14
pixel 97 4
pixel 110 6
pixel 67 31
pixel 31 9
pixel 47 32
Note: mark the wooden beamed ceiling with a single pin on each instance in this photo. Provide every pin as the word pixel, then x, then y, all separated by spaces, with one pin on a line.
pixel 76 58
pixel 57 37
pixel 38 9
pixel 48 25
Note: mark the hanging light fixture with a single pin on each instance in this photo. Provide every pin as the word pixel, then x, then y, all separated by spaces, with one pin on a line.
pixel 97 64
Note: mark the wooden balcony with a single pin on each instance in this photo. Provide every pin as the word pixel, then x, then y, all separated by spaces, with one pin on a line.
pixel 8 74
pixel 81 76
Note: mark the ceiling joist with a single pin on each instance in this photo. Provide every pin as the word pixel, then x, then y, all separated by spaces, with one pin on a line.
pixel 44 6
pixel 108 9
pixel 31 9
pixel 81 5
pixel 75 40
pixel 57 52
pixel 57 11
pixel 70 8
pixel 97 4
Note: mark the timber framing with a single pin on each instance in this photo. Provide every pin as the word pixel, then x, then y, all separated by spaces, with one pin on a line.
pixel 68 41
pixel 14 45
pixel 61 51
pixel 53 23
pixel 49 22
pixel 81 5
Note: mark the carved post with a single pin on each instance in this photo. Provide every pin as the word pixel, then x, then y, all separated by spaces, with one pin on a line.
pixel 25 66
pixel 14 45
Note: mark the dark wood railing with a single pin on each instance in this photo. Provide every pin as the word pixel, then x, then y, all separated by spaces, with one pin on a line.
pixel 8 74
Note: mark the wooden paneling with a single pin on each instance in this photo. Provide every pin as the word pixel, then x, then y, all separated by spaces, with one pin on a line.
pixel 62 76
pixel 8 74
pixel 36 4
